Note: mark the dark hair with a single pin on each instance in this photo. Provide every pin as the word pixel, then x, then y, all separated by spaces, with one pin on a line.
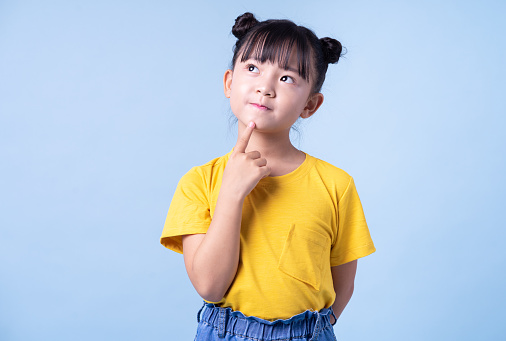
pixel 273 40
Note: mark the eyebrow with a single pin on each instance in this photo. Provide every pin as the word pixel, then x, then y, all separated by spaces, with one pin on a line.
pixel 291 69
pixel 287 68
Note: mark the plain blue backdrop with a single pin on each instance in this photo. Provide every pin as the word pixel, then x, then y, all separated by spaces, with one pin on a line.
pixel 104 105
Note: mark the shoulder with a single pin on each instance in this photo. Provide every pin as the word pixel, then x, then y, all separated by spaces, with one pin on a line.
pixel 207 171
pixel 330 169
pixel 335 179
pixel 331 173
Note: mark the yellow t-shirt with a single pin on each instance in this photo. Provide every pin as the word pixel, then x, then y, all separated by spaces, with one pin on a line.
pixel 294 228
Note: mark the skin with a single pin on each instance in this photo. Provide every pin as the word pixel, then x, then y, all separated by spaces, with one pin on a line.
pixel 344 284
pixel 211 259
pixel 267 100
pixel 286 97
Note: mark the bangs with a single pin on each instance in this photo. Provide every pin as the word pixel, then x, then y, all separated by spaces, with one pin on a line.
pixel 274 42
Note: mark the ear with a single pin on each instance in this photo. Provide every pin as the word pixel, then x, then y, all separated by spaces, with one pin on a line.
pixel 227 83
pixel 313 103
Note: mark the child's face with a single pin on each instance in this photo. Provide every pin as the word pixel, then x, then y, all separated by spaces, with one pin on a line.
pixel 269 95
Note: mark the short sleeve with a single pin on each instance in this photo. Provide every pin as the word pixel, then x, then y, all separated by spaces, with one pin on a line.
pixel 189 211
pixel 353 238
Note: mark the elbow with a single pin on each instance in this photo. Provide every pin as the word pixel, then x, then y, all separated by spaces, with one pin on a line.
pixel 351 289
pixel 211 286
pixel 209 290
pixel 212 299
pixel 210 294
pixel 344 293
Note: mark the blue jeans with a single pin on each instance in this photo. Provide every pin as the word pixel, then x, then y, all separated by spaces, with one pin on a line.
pixel 223 324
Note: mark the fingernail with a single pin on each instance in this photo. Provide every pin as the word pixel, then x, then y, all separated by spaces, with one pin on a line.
pixel 251 124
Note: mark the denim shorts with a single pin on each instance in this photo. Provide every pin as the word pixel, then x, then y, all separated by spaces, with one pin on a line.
pixel 223 324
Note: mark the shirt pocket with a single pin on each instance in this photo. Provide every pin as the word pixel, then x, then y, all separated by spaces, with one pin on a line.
pixel 302 255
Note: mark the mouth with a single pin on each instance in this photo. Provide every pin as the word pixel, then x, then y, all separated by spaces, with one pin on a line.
pixel 260 107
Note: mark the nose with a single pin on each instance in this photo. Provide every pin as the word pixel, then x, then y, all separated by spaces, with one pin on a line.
pixel 265 88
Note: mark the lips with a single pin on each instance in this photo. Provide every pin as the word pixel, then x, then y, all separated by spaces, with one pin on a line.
pixel 259 106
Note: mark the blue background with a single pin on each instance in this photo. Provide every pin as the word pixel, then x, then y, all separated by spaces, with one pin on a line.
pixel 106 104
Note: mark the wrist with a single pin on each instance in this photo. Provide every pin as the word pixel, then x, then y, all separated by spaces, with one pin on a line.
pixel 231 197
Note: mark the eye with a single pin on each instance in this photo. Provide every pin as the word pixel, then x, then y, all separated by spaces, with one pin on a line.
pixel 253 68
pixel 287 79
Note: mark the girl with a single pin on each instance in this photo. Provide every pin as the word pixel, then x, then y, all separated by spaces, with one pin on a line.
pixel 270 235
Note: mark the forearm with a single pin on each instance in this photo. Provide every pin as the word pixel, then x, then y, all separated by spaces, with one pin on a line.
pixel 343 277
pixel 343 296
pixel 215 261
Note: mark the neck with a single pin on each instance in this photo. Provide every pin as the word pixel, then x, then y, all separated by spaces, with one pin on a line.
pixel 271 145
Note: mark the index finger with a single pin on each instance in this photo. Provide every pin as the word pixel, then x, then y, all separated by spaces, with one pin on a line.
pixel 242 141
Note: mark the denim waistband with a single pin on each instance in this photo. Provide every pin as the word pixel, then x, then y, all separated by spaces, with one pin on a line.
pixel 308 323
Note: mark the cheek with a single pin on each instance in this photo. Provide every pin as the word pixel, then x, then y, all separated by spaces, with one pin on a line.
pixel 235 101
pixel 298 98
pixel 239 92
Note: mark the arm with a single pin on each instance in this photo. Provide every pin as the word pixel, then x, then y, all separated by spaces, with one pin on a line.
pixel 344 279
pixel 211 259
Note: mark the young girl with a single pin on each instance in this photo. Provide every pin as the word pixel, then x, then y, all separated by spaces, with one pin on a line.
pixel 270 235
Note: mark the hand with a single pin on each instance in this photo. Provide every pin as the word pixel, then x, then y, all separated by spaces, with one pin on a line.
pixel 332 320
pixel 244 170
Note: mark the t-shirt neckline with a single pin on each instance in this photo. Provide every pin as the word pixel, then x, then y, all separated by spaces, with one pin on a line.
pixel 294 175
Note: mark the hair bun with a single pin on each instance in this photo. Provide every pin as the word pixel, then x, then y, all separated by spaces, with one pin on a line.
pixel 331 49
pixel 243 24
